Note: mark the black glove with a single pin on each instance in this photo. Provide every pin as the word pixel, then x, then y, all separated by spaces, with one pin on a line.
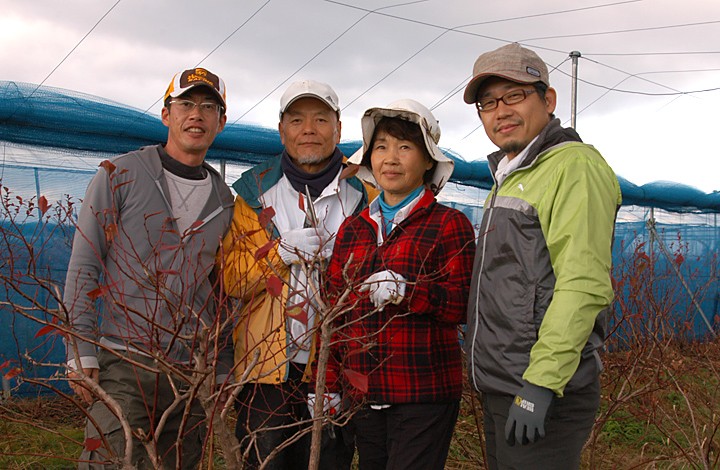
pixel 526 417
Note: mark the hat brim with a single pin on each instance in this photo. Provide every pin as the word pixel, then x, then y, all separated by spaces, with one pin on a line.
pixel 472 88
pixel 182 91
pixel 310 95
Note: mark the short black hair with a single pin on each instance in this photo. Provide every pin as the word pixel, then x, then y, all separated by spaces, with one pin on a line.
pixel 541 89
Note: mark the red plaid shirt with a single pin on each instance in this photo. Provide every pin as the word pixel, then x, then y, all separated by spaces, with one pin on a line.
pixel 409 352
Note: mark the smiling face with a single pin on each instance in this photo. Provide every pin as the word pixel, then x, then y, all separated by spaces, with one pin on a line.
pixel 190 133
pixel 513 127
pixel 310 130
pixel 398 165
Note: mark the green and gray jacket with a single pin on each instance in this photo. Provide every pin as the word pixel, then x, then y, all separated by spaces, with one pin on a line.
pixel 541 283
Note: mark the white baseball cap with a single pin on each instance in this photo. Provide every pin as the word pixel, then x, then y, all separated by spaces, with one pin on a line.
pixel 309 88
pixel 409 110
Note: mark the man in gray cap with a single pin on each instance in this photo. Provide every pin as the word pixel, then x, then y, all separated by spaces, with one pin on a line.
pixel 287 213
pixel 541 284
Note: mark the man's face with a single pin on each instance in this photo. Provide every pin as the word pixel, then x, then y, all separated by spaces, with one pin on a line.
pixel 191 132
pixel 309 130
pixel 513 127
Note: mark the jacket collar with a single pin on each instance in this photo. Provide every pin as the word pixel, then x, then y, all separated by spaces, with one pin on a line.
pixel 552 134
pixel 372 212
pixel 261 177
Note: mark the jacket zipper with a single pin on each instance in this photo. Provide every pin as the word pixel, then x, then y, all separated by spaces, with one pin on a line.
pixel 477 290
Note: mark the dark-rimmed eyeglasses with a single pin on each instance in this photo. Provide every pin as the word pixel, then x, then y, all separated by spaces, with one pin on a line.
pixel 509 98
pixel 207 108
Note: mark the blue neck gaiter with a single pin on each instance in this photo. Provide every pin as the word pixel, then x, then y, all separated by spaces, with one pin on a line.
pixel 388 212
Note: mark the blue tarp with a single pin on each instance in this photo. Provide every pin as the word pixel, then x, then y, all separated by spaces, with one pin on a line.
pixel 45 116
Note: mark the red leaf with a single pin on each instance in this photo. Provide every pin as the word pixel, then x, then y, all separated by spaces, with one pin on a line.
pixel 44 330
pixel 349 171
pixel 263 251
pixel 361 350
pixel 357 380
pixel 111 232
pixel 274 286
pixel 118 186
pixel 679 259
pixel 301 304
pixel 43 204
pixel 92 443
pixel 5 364
pixel 301 202
pixel 13 372
pixel 95 293
pixel 298 313
pixel 109 167
pixel 170 247
pixel 265 216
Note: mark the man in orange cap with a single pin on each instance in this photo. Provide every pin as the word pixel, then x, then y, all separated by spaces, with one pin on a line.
pixel 145 246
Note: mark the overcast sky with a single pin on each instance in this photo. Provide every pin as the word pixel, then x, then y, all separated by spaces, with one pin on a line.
pixel 641 60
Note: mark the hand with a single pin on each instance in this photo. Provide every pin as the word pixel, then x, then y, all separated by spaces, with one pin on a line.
pixel 526 418
pixel 385 286
pixel 331 405
pixel 223 388
pixel 301 244
pixel 77 385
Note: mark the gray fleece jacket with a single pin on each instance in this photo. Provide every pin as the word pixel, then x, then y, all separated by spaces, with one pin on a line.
pixel 155 286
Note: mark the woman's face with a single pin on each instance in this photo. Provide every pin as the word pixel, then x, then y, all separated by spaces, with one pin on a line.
pixel 398 166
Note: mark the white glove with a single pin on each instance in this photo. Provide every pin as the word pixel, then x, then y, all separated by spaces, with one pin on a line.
pixel 385 286
pixel 300 244
pixel 331 406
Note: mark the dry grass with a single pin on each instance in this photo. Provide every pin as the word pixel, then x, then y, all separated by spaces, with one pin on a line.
pixel 658 410
pixel 42 433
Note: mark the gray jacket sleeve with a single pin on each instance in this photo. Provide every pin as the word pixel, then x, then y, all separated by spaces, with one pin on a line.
pixel 89 250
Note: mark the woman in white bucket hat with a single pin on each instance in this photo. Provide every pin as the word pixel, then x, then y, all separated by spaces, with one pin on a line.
pixel 396 358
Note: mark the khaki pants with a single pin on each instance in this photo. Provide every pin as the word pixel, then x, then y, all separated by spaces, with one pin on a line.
pixel 143 396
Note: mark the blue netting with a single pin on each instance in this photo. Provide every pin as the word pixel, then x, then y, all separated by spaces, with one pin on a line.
pixel 51 142
pixel 49 117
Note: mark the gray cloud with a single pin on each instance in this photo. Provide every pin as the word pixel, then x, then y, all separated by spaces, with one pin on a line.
pixel 133 52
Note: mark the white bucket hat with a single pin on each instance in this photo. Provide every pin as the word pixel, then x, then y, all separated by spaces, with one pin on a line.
pixel 409 110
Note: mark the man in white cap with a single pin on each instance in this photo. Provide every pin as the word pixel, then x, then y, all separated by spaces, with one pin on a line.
pixel 541 285
pixel 287 212
pixel 145 246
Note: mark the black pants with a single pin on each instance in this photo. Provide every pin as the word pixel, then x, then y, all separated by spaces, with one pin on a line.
pixel 406 436
pixel 567 426
pixel 272 415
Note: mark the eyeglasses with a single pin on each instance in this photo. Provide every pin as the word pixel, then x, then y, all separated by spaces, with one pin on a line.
pixel 207 108
pixel 511 97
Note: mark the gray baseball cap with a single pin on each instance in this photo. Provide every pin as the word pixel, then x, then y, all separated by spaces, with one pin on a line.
pixel 512 62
